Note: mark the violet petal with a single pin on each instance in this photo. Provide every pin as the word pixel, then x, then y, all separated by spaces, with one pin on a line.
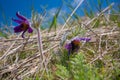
pixel 20 16
pixel 30 30
pixel 17 29
pixel 68 46
pixel 17 21
pixel 85 39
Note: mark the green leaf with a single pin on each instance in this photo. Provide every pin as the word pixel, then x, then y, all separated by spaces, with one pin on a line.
pixel 54 21
pixel 118 24
pixel 62 72
pixel 114 18
pixel 3 35
pixel 91 14
pixel 99 7
pixel 72 8
pixel 107 1
pixel 99 3
pixel 3 14
pixel 80 70
pixel 87 13
pixel 97 22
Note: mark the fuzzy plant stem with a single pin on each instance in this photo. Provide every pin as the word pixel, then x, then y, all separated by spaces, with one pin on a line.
pixel 40 46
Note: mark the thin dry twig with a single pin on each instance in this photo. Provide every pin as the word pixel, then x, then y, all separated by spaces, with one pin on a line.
pixel 4 55
pixel 69 18
pixel 99 56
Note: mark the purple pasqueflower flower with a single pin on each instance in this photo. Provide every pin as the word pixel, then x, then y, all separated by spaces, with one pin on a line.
pixel 23 26
pixel 74 44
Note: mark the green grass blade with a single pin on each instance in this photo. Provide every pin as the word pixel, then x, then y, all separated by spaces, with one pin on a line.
pixel 72 8
pixel 54 21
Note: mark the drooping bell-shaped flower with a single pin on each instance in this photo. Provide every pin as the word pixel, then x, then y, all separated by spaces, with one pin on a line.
pixel 74 44
pixel 23 26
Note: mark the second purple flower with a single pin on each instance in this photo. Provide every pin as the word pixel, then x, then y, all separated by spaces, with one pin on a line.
pixel 74 44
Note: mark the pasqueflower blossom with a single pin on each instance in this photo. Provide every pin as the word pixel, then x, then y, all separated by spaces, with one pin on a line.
pixel 74 44
pixel 23 26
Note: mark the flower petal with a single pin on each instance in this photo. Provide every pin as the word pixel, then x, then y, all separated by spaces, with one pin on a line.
pixel 85 39
pixel 18 29
pixel 68 46
pixel 17 21
pixel 20 16
pixel 30 30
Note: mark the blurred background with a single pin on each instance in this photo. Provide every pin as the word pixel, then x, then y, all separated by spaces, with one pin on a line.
pixel 8 8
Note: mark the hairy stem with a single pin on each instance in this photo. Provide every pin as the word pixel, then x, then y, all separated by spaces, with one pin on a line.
pixel 40 46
